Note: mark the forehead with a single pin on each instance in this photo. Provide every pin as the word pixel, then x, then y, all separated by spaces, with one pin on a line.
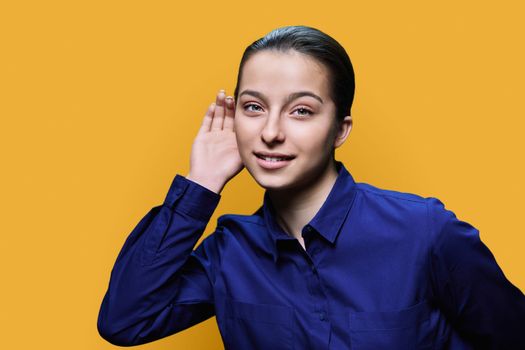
pixel 278 73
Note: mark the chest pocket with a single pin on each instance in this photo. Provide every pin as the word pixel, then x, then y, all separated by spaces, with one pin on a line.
pixel 404 329
pixel 258 326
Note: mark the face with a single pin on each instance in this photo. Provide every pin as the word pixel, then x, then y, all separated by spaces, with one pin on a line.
pixel 284 114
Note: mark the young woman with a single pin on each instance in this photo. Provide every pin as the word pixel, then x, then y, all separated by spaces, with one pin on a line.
pixel 325 262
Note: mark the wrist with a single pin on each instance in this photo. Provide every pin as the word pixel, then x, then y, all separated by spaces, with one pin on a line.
pixel 211 184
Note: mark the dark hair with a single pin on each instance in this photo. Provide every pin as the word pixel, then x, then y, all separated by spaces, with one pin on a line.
pixel 320 46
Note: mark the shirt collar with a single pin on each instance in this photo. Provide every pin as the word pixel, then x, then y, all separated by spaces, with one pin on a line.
pixel 327 221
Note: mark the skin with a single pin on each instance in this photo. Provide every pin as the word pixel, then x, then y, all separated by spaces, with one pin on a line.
pixel 262 120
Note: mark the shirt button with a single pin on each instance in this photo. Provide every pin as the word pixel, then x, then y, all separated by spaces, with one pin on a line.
pixel 322 315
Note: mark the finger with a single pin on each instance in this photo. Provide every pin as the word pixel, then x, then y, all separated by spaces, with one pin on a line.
pixel 229 114
pixel 208 117
pixel 218 115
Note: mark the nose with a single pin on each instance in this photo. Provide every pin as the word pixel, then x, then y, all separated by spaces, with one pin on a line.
pixel 272 131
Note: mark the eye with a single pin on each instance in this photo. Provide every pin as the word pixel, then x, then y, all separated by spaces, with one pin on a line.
pixel 304 110
pixel 246 107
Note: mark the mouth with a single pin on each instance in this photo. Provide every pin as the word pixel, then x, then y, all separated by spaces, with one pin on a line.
pixel 273 157
pixel 273 160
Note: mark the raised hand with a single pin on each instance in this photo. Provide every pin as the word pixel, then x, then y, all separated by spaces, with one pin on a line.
pixel 215 157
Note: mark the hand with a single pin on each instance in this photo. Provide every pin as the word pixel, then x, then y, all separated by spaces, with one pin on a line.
pixel 215 158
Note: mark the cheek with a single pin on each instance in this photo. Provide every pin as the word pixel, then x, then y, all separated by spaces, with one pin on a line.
pixel 311 137
pixel 242 134
pixel 238 122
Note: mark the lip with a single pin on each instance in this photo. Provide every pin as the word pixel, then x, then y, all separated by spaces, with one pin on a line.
pixel 272 165
pixel 274 154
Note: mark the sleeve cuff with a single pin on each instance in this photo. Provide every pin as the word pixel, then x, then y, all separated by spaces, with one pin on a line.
pixel 190 198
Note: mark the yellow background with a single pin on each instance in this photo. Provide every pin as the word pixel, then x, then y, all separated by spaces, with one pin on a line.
pixel 100 102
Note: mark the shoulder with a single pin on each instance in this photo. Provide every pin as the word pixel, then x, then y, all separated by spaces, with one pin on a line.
pixel 431 205
pixel 391 205
pixel 230 227
pixel 226 220
pixel 410 210
pixel 237 234
pixel 427 217
pixel 379 193
pixel 235 226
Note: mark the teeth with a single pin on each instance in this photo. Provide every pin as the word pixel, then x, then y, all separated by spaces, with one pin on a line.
pixel 273 159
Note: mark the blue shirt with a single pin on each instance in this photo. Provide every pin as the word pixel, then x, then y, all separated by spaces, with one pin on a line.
pixel 382 270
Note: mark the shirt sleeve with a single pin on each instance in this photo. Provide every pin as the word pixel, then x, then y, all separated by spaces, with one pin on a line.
pixel 470 287
pixel 158 285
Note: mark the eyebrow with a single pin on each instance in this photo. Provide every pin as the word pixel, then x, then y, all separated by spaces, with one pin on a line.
pixel 290 97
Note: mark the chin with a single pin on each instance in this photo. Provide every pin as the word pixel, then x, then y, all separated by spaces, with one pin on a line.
pixel 273 181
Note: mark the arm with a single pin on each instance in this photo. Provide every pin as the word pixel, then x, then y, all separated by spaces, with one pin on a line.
pixel 158 286
pixel 472 290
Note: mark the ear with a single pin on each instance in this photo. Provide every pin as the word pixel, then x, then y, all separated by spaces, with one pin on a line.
pixel 344 128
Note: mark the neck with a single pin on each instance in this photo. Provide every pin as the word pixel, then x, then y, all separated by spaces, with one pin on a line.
pixel 296 207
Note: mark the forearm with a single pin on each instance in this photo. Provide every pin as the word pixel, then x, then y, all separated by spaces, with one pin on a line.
pixel 144 280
